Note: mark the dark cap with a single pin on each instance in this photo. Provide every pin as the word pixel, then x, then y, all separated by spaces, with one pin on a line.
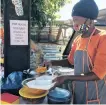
pixel 86 8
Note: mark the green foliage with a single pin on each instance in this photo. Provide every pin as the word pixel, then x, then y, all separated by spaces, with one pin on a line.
pixel 44 11
pixel 53 6
pixel 38 15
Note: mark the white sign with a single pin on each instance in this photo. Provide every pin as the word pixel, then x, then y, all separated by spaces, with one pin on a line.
pixel 18 32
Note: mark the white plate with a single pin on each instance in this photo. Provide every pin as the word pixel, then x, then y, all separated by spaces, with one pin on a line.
pixel 46 77
pixel 40 84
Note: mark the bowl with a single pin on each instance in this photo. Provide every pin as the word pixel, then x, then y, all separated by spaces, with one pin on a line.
pixel 30 98
pixel 53 101
pixel 35 91
pixel 33 101
pixel 59 96
pixel 32 90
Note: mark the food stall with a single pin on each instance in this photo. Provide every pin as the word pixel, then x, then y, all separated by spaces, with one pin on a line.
pixel 31 83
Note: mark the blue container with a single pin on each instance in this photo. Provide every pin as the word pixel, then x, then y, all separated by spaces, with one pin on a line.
pixel 59 96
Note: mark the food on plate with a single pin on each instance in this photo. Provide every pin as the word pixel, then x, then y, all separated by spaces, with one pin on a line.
pixel 41 69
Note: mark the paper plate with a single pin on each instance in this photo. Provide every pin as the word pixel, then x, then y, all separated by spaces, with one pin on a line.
pixel 46 77
pixel 40 84
pixel 24 93
pixel 43 83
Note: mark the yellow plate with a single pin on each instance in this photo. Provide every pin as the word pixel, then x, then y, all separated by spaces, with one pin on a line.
pixel 24 93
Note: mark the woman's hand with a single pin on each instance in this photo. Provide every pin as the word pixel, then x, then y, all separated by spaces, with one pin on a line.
pixel 47 63
pixel 59 80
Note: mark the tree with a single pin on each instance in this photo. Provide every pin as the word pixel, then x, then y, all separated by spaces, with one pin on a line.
pixel 53 6
pixel 38 15
pixel 44 11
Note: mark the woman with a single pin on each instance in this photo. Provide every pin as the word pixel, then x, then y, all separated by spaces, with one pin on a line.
pixel 88 55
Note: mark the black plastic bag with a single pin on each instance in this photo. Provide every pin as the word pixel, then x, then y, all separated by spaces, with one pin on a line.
pixel 13 81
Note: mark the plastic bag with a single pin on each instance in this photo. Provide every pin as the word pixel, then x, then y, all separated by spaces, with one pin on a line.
pixel 13 81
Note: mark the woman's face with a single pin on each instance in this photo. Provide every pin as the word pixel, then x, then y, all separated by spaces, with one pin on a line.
pixel 77 22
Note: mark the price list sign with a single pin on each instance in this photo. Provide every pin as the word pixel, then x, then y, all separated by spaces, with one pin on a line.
pixel 18 32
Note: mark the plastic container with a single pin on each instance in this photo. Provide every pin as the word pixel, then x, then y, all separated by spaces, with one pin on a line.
pixel 59 96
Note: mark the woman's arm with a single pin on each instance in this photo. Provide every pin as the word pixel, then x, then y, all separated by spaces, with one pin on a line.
pixel 87 77
pixel 63 63
pixel 84 77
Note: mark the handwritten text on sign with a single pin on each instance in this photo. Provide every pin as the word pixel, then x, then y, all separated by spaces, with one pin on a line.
pixel 18 32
